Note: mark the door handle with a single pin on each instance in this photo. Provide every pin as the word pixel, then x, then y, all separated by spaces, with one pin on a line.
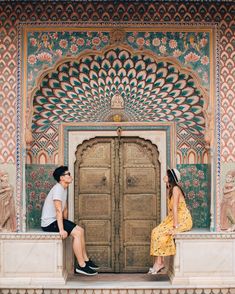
pixel 104 181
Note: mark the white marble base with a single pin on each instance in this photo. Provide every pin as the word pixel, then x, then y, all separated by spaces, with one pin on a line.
pixel 204 258
pixel 32 259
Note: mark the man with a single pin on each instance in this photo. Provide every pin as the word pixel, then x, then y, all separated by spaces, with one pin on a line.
pixel 54 219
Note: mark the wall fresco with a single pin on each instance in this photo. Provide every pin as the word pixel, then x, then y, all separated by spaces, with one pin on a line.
pixel 39 181
pixel 189 48
pixel 12 14
pixel 195 181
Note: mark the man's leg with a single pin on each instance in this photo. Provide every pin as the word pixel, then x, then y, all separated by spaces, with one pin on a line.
pixel 79 245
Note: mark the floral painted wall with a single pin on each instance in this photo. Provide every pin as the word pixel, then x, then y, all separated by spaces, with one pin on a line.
pixel 194 182
pixel 14 15
pixel 39 181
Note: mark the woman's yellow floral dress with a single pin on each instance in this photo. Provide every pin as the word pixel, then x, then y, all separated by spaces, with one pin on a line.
pixel 162 243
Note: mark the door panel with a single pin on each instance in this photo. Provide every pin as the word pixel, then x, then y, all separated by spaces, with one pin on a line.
pixel 117 200
pixel 140 198
pixel 94 199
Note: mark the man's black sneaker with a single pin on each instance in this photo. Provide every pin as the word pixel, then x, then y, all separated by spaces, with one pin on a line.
pixel 86 270
pixel 92 265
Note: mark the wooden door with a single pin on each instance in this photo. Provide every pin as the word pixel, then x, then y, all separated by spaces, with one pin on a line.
pixel 117 200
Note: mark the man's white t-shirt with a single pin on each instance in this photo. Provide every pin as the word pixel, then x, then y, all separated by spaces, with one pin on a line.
pixel 58 192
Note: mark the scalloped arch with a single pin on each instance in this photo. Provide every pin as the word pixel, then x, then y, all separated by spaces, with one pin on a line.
pixel 154 88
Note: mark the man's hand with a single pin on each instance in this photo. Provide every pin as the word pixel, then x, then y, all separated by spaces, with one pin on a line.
pixel 63 234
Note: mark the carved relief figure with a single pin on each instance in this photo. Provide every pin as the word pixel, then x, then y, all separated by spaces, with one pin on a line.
pixel 7 206
pixel 117 101
pixel 227 212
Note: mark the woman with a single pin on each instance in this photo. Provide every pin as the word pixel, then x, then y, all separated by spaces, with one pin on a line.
pixel 178 220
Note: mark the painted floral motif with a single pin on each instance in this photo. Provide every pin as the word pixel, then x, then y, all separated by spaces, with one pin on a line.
pixel 190 48
pixel 45 48
pixel 194 181
pixel 39 181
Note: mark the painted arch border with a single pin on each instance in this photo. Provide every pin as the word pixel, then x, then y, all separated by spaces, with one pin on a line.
pixel 214 115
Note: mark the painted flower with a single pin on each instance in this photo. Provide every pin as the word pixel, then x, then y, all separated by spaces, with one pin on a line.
pixel 32 59
pixel 177 53
pixel 204 60
pixel 73 39
pixel 203 42
pixel 80 41
pixel 42 196
pixel 147 43
pixel 63 43
pixel 55 36
pixel 37 184
pixel 201 194
pixel 135 34
pixel 74 48
pixel 33 41
pixel 162 49
pixel 195 204
pixel 191 194
pixel 88 42
pixel 131 39
pixel 105 39
pixel 41 170
pixel 200 174
pixel 172 44
pixel 38 206
pixel 32 195
pixel 192 57
pixel 187 183
pixel 140 41
pixel 44 56
pixel 183 172
pixel 146 35
pixel 156 42
pixel 33 175
pixel 47 185
pixel 193 170
pixel 59 52
pixel 96 41
pixel 29 186
pixel 163 40
pixel 195 183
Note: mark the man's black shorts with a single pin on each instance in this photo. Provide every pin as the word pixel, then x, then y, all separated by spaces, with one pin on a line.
pixel 53 227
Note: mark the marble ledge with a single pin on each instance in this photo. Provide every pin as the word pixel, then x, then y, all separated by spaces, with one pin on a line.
pixel 204 234
pixel 29 236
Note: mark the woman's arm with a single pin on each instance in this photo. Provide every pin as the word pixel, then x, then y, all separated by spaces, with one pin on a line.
pixel 176 197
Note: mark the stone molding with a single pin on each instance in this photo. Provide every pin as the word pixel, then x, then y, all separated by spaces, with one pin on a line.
pixel 29 236
pixel 201 235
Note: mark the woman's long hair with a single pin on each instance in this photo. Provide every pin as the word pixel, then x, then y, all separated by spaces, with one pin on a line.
pixel 172 183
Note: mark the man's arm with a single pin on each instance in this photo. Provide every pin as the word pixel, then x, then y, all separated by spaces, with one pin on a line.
pixel 65 212
pixel 59 217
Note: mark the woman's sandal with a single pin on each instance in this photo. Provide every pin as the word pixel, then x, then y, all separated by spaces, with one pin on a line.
pixel 155 272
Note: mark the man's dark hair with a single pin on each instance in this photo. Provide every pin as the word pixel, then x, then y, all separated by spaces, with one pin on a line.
pixel 59 171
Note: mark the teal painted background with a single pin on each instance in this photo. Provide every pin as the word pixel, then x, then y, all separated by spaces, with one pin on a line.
pixel 39 181
pixel 195 183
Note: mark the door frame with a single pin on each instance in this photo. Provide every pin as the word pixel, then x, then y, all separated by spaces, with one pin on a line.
pixel 163 135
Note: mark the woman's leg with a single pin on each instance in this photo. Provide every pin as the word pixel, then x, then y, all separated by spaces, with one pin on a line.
pixel 158 263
